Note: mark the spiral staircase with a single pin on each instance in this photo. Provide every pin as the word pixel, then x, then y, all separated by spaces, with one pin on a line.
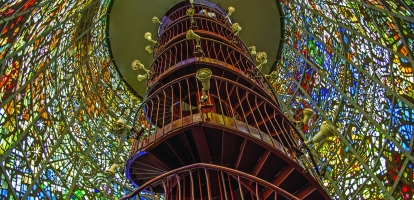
pixel 210 126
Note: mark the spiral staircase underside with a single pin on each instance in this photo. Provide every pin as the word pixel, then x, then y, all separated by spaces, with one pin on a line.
pixel 209 125
pixel 222 142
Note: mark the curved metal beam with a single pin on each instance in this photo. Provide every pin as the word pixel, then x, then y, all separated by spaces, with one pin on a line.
pixel 210 166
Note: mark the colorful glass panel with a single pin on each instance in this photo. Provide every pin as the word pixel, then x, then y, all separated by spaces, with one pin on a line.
pixel 59 95
pixel 352 62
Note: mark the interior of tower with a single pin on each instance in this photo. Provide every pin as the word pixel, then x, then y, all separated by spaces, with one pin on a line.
pixel 206 99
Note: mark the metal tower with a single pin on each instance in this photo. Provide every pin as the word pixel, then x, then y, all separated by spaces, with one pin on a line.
pixel 209 126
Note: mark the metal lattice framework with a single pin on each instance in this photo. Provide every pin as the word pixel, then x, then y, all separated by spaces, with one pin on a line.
pixel 352 62
pixel 59 95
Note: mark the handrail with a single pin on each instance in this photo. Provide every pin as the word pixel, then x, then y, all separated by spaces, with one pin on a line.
pixel 266 125
pixel 168 59
pixel 248 77
pixel 163 51
pixel 214 167
pixel 167 20
pixel 213 77
pixel 261 112
pixel 185 25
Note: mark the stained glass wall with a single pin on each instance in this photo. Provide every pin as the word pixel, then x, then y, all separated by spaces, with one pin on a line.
pixel 351 61
pixel 59 94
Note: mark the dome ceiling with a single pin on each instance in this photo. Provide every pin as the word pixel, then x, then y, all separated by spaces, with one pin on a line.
pixel 129 20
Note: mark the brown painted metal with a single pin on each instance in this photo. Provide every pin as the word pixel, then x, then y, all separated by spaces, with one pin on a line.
pixel 220 186
pixel 199 183
pixel 240 188
pixel 246 184
pixel 175 153
pixel 260 163
pixel 208 26
pixel 201 143
pixel 206 172
pixel 236 166
pixel 237 87
pixel 181 13
pixel 177 131
pixel 155 161
pixel 191 183
pixel 216 53
pixel 206 167
pixel 304 192
pixel 279 179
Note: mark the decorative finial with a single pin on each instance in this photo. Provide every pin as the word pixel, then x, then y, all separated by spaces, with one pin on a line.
pixel 231 11
pixel 148 36
pixel 141 77
pixel 136 65
pixel 134 101
pixel 119 127
pixel 190 12
pixel 326 130
pixel 236 28
pixel 261 57
pixel 204 76
pixel 252 50
pixel 156 20
pixel 307 114
pixel 192 36
pixel 148 48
